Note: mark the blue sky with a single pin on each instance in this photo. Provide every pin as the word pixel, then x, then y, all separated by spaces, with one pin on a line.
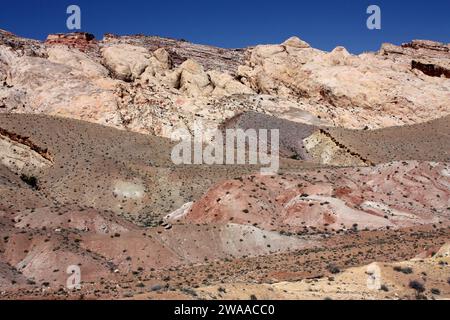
pixel 232 23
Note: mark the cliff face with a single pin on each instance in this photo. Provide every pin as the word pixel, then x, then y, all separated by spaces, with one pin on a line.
pixel 156 85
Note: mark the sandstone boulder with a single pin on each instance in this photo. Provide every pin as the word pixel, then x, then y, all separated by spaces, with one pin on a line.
pixel 224 84
pixel 40 85
pixel 126 61
pixel 77 60
pixel 352 91
pixel 296 42
pixel 192 79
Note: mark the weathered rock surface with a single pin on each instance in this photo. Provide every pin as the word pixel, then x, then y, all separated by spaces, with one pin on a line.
pixel 430 57
pixel 373 90
pixel 211 58
pixel 156 85
pixel 67 84
pixel 78 61
pixel 128 62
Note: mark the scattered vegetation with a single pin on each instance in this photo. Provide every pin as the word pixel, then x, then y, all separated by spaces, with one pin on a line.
pixel 405 270
pixel 417 285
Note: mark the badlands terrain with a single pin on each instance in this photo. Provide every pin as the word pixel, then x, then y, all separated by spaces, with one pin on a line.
pixel 360 208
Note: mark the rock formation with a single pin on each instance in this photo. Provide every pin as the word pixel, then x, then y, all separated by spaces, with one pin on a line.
pixel 78 40
pixel 156 85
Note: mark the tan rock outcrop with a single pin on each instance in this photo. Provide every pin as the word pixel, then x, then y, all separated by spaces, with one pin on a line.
pixel 40 85
pixel 77 60
pixel 21 156
pixel 354 91
pixel 126 61
pixel 80 40
pixel 225 85
pixel 192 80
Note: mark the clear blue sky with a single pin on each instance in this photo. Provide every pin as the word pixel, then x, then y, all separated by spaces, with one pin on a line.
pixel 232 23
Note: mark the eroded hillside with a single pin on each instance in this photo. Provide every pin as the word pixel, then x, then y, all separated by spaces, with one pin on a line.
pixel 156 85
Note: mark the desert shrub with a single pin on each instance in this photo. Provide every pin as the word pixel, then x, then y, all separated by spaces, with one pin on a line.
pixel 435 291
pixel 417 285
pixel 384 288
pixel 333 269
pixel 32 181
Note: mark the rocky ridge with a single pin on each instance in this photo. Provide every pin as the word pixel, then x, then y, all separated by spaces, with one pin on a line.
pixel 156 85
